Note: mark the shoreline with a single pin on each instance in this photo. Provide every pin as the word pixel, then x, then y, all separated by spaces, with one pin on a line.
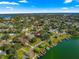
pixel 52 47
pixel 58 43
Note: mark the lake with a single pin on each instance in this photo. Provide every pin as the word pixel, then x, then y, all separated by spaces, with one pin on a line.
pixel 68 49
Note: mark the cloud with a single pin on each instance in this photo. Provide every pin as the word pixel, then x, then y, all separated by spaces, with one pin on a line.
pixel 23 1
pixel 64 8
pixel 71 7
pixel 77 5
pixel 68 1
pixel 8 3
pixel 10 8
pixel 40 11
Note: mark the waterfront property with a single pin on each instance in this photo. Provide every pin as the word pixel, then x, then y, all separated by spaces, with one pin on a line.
pixel 30 36
pixel 67 49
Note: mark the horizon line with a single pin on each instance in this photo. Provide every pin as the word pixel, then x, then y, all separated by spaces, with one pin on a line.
pixel 44 13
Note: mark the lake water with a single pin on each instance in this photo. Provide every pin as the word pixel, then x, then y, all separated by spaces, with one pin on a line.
pixel 68 49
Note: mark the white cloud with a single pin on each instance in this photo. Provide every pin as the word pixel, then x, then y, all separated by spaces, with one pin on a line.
pixel 40 11
pixel 77 5
pixel 71 7
pixel 68 1
pixel 23 1
pixel 64 8
pixel 8 3
pixel 10 8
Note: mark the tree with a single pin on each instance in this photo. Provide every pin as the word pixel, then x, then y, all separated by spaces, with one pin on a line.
pixel 42 46
pixel 5 37
pixel 37 50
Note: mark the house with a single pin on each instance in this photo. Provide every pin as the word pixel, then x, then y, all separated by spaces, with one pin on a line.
pixel 2 52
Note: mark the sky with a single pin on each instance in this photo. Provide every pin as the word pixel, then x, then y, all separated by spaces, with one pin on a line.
pixel 39 6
